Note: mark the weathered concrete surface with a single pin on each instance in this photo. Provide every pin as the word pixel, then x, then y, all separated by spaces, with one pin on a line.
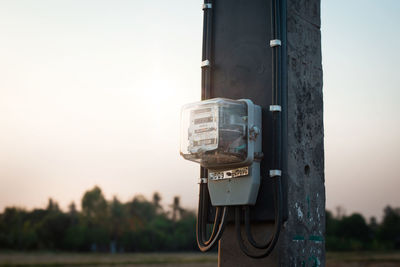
pixel 302 241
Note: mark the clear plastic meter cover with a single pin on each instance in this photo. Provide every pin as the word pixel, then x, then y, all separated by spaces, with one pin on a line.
pixel 214 132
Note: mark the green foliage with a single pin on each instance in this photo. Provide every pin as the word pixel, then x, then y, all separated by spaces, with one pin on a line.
pixel 101 225
pixel 352 233
pixel 94 205
pixel 389 231
pixel 52 229
pixel 354 227
pixel 76 238
pixel 143 225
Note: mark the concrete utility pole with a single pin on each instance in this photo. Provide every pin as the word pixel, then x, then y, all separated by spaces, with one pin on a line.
pixel 302 241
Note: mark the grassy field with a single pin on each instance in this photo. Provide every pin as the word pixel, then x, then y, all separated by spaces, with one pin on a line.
pixel 370 259
pixel 91 259
pixel 174 259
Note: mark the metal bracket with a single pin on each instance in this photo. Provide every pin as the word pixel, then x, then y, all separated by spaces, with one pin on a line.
pixel 275 42
pixel 258 156
pixel 203 180
pixel 275 108
pixel 207 6
pixel 205 63
pixel 274 173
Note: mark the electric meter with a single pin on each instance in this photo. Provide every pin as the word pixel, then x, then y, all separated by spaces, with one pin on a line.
pixel 215 133
pixel 224 136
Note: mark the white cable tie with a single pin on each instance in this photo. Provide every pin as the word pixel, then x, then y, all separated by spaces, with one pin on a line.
pixel 274 173
pixel 275 42
pixel 207 6
pixel 203 180
pixel 275 108
pixel 205 63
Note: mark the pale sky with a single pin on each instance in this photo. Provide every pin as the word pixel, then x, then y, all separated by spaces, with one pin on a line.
pixel 91 91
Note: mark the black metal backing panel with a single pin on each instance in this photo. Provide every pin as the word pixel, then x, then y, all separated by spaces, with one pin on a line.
pixel 241 66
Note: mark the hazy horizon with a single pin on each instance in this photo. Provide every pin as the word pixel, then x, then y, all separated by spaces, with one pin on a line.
pixel 91 95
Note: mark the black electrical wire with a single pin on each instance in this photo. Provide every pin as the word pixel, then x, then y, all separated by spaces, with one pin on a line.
pixel 278 212
pixel 221 213
pixel 276 148
pixel 275 10
pixel 275 237
pixel 248 231
pixel 206 51
pixel 203 222
pixel 279 72
pixel 203 242
pixel 217 221
pixel 209 244
pixel 218 228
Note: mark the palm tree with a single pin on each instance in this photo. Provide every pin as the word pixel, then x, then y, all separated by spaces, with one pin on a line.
pixel 156 201
pixel 176 209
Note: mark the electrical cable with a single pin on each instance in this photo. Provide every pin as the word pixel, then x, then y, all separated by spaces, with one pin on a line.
pixel 203 223
pixel 249 236
pixel 220 220
pixel 217 221
pixel 221 212
pixel 276 234
pixel 206 51
pixel 206 246
pixel 276 148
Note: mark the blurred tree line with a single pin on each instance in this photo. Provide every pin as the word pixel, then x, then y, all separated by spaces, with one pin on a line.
pixel 351 233
pixel 143 225
pixel 101 225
